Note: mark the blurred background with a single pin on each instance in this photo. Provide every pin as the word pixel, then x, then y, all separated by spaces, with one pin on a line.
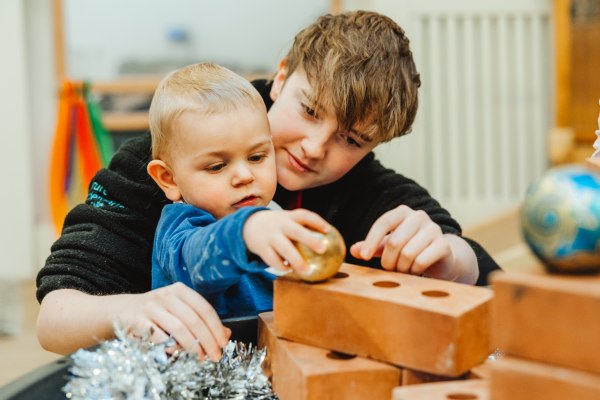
pixel 510 88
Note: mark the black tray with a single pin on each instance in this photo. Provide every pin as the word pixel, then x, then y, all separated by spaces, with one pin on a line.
pixel 45 383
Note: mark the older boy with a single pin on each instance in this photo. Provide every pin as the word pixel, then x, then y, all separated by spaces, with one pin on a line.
pixel 348 83
pixel 213 157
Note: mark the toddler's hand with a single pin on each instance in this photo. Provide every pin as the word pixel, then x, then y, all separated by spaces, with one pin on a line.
pixel 270 235
pixel 408 241
pixel 179 311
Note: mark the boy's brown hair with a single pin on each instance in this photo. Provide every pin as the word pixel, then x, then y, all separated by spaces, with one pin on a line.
pixel 206 88
pixel 360 64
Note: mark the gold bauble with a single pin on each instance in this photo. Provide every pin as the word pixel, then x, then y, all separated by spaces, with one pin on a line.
pixel 322 266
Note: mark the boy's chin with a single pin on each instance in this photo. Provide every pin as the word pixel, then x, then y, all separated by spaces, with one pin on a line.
pixel 294 184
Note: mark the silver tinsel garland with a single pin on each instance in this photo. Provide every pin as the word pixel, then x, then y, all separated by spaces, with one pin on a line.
pixel 135 368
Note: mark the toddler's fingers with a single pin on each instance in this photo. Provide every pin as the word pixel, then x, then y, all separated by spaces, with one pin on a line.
pixel 290 253
pixel 274 260
pixel 311 220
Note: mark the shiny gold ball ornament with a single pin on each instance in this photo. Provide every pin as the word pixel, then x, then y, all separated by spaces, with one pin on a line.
pixel 322 266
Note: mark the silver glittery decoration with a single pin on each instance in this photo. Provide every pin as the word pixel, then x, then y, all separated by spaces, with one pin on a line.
pixel 135 368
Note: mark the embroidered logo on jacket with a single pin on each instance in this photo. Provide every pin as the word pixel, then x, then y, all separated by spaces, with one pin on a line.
pixel 98 197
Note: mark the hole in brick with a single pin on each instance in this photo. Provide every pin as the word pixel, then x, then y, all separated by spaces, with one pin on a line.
pixel 338 355
pixel 462 396
pixel 386 284
pixel 340 275
pixel 435 293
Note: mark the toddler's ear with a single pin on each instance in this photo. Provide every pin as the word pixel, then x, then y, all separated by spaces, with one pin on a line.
pixel 279 80
pixel 162 175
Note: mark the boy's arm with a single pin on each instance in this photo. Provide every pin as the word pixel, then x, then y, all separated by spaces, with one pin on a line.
pixel 106 243
pixel 70 319
pixel 409 241
pixel 368 192
pixel 105 249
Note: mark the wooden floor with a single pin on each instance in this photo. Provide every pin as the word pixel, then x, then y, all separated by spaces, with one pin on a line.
pixel 22 353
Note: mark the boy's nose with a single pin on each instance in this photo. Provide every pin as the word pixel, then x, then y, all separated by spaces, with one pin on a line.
pixel 315 142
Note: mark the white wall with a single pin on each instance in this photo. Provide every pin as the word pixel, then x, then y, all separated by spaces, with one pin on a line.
pixel 16 199
pixel 243 35
pixel 102 34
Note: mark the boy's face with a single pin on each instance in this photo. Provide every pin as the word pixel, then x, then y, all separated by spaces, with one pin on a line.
pixel 310 150
pixel 224 161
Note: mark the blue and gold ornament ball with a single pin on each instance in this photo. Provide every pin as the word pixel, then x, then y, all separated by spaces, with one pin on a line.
pixel 561 219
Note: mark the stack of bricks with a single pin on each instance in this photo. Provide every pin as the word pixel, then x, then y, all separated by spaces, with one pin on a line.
pixel 549 328
pixel 366 333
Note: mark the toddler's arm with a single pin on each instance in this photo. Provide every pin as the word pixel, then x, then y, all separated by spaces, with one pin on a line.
pixel 211 256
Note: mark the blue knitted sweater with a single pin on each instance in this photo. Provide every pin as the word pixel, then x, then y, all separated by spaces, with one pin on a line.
pixel 210 256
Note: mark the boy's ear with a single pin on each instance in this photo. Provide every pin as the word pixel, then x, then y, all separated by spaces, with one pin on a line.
pixel 279 80
pixel 162 175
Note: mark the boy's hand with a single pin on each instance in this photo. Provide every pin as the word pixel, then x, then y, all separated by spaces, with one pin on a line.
pixel 179 311
pixel 409 241
pixel 270 235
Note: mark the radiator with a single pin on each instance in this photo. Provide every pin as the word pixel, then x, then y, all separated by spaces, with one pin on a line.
pixel 485 101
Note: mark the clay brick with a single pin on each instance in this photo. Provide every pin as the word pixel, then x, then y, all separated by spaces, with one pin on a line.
pixel 412 377
pixel 481 371
pixel 554 319
pixel 301 372
pixel 475 389
pixel 418 323
pixel 517 379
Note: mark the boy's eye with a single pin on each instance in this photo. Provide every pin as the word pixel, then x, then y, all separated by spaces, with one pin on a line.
pixel 257 157
pixel 350 141
pixel 309 110
pixel 215 167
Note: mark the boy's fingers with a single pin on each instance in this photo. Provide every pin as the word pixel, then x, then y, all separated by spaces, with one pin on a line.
pixel 382 226
pixel 172 325
pixel 401 247
pixel 207 314
pixel 158 335
pixel 436 251
pixel 356 248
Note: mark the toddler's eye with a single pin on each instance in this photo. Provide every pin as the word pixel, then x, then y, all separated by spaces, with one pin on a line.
pixel 257 157
pixel 215 167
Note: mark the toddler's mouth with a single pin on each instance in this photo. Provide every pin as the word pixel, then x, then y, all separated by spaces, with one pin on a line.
pixel 247 201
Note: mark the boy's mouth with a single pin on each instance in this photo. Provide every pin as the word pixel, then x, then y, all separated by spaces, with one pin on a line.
pixel 298 165
pixel 247 202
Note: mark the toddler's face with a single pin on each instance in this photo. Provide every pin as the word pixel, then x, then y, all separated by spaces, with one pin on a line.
pixel 310 149
pixel 224 161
